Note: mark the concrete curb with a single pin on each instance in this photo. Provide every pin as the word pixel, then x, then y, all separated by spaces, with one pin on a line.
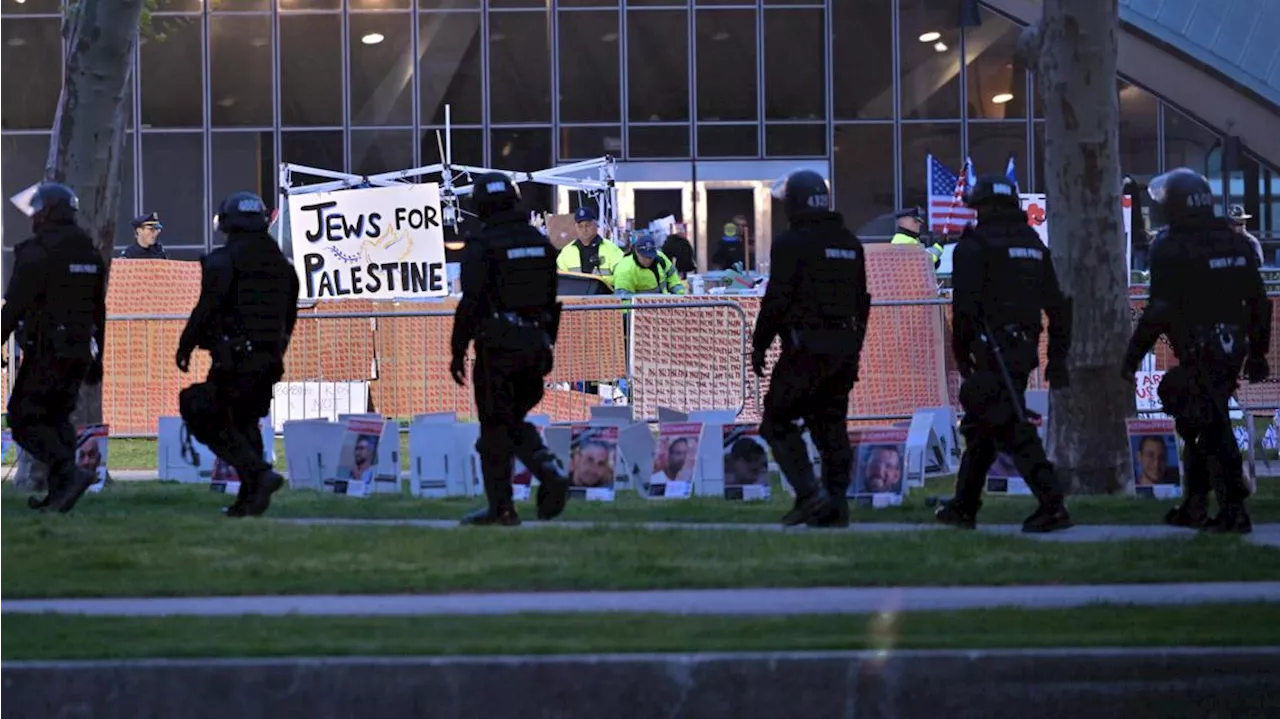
pixel 719 602
pixel 1045 684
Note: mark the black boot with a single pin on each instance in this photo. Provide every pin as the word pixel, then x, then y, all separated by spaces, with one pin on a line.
pixel 75 483
pixel 1051 516
pixel 246 492
pixel 261 488
pixel 1193 513
pixel 501 510
pixel 553 484
pixel 1232 519
pixel 54 482
pixel 952 512
pixel 812 500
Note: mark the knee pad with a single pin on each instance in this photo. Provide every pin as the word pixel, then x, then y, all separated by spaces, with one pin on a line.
pixel 776 430
pixel 984 401
pixel 200 410
pixel 494 442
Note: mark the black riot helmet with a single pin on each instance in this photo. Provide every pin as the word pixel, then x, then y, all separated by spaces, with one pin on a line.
pixel 494 192
pixel 54 203
pixel 802 191
pixel 242 212
pixel 992 192
pixel 1182 194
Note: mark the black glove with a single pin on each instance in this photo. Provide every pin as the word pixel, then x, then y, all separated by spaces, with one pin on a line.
pixel 1256 369
pixel 93 377
pixel 757 362
pixel 458 368
pixel 183 359
pixel 1056 373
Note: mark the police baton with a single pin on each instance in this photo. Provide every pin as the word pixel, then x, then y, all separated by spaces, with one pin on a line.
pixel 994 348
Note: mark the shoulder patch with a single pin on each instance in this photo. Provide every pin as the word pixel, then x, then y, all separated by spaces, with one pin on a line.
pixel 840 253
pixel 83 269
pixel 521 253
pixel 1026 253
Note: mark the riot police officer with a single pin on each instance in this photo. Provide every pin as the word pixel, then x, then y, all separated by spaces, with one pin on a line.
pixel 1003 278
pixel 1208 299
pixel 817 303
pixel 509 310
pixel 244 318
pixel 56 302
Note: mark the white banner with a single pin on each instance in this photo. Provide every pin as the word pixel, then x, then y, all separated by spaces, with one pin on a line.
pixel 1037 216
pixel 379 243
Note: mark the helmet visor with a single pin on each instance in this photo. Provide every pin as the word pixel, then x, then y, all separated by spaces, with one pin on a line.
pixel 779 191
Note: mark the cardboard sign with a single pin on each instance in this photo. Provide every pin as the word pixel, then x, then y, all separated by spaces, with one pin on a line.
pixel 363 461
pixel 674 461
pixel 593 457
pixel 746 463
pixel 879 470
pixel 91 452
pixel 1153 451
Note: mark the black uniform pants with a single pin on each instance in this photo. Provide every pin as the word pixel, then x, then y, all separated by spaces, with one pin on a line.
pixel 223 412
pixel 814 388
pixel 508 384
pixel 992 426
pixel 45 393
pixel 1212 438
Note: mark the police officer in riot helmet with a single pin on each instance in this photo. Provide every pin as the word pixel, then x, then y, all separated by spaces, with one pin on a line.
pixel 56 302
pixel 1207 297
pixel 817 304
pixel 509 310
pixel 1003 277
pixel 245 319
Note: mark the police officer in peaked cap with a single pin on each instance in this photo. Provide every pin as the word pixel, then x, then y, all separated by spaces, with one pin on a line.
pixel 509 310
pixel 1207 297
pixel 245 317
pixel 56 302
pixel 817 304
pixel 1003 278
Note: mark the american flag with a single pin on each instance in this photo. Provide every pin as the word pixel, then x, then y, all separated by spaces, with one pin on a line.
pixel 947 212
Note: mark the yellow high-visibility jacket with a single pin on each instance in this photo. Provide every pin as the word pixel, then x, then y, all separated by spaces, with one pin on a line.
pixel 661 277
pixel 934 250
pixel 570 259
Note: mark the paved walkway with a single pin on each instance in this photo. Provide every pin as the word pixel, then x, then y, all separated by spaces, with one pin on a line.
pixel 1266 534
pixel 725 602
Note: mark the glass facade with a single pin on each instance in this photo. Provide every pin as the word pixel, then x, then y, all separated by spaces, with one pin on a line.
pixel 228 89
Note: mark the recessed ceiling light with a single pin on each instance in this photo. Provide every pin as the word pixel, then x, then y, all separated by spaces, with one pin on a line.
pixel 372 38
pixel 609 37
pixel 16 42
pixel 1002 98
pixel 720 36
pixel 930 36
pixel 258 42
pixel 497 36
pixel 226 102
pixel 940 46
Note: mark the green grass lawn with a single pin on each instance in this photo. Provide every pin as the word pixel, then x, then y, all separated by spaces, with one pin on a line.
pixel 171 540
pixel 33 637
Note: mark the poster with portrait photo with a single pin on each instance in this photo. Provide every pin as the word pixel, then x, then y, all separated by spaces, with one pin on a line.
pixel 1153 453
pixel 880 465
pixel 593 457
pixel 746 464
pixel 674 461
pixel 358 458
pixel 1004 476
pixel 91 452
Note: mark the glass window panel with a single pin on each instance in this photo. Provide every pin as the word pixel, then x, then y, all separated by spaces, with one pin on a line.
pixel 992 143
pixel 667 141
pixel 287 5
pixel 862 60
pixel 929 44
pixel 239 5
pixel 863 161
pixel 589 68
pixel 713 3
pixel 527 149
pixel 448 4
pixel 1187 143
pixel 172 65
pixel 467 147
pixel 31 7
pixel 321 149
pixel 728 141
pixel 657 3
pixel 310 70
pixel 588 3
pixel 178 5
pixel 658 66
pixel 379 4
pixel 22 161
pixel 381 46
pixel 583 143
pixel 125 209
pixel 727 86
pixel 795 78
pixel 795 140
pixel 1139 152
pixel 996 79
pixel 239 70
pixel 242 162
pixel 177 195
pixel 519 68
pixel 31 73
pixel 375 151
pixel 450 50
pixel 1037 135
pixel 943 140
pixel 518 4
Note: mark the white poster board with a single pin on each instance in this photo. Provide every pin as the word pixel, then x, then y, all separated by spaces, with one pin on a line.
pixel 292 401
pixel 1038 217
pixel 377 243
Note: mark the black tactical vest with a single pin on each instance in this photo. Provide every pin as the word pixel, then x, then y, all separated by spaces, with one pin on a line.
pixel 1014 266
pixel 76 277
pixel 522 265
pixel 260 288
pixel 829 258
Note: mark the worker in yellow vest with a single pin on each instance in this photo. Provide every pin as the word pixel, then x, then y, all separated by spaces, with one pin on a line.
pixel 589 253
pixel 646 270
pixel 910 226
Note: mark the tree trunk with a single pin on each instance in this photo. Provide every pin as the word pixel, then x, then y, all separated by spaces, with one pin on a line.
pixel 88 137
pixel 1075 52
